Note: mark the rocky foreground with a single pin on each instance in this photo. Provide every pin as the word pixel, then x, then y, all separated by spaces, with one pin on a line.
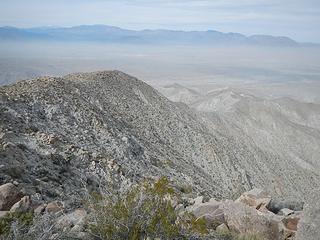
pixel 253 212
pixel 60 137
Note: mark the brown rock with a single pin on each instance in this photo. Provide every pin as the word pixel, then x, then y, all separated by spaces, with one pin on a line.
pixel 9 195
pixel 291 221
pixel 52 139
pixel 286 233
pixel 256 198
pixel 40 209
pixel 54 207
pixel 23 205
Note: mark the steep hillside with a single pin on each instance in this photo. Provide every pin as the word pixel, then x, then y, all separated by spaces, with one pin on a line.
pixel 283 127
pixel 58 134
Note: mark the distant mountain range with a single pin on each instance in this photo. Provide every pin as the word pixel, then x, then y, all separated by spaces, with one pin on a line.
pixel 110 34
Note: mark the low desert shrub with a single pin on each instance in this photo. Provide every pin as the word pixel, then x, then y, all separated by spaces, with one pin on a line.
pixel 143 211
pixel 23 219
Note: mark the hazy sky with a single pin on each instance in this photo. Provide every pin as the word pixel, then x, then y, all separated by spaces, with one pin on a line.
pixel 298 19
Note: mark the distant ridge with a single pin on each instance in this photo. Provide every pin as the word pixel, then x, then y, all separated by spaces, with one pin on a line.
pixel 111 34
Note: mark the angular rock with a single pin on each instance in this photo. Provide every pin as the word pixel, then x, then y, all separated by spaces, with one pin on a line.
pixel 54 207
pixel 256 198
pixel 73 221
pixel 242 219
pixel 9 195
pixel 285 233
pixel 222 228
pixel 198 200
pixel 211 211
pixel 24 205
pixel 291 222
pixel 179 208
pixel 285 212
pixel 40 209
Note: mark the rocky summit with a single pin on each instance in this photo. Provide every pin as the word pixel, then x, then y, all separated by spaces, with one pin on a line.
pixel 60 135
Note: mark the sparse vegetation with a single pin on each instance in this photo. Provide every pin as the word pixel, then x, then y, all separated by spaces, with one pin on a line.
pixel 142 211
pixel 185 189
pixel 24 219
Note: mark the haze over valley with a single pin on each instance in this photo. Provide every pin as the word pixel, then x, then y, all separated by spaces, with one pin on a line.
pixel 269 69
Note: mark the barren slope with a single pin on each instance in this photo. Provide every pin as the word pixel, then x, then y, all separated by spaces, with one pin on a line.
pixel 59 133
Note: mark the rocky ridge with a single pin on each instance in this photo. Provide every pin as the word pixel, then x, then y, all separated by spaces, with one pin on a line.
pixel 59 135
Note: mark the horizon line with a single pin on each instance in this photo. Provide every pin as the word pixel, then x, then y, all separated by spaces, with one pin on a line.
pixel 156 29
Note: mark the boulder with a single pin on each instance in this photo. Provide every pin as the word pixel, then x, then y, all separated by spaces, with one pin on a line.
pixel 73 221
pixel 285 212
pixel 24 205
pixel 286 234
pixel 9 195
pixel 291 222
pixel 40 209
pixel 54 207
pixel 256 198
pixel 276 205
pixel 211 211
pixel 242 219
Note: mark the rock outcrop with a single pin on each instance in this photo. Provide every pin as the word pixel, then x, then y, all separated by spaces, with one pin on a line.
pixel 9 195
pixel 248 215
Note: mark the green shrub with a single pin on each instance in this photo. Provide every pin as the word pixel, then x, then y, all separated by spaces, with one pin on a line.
pixel 24 219
pixel 142 211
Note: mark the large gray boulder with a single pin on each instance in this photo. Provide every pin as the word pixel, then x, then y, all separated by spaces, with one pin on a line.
pixel 9 195
pixel 212 211
pixel 276 205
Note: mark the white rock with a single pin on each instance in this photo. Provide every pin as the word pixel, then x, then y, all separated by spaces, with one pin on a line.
pixel 285 212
